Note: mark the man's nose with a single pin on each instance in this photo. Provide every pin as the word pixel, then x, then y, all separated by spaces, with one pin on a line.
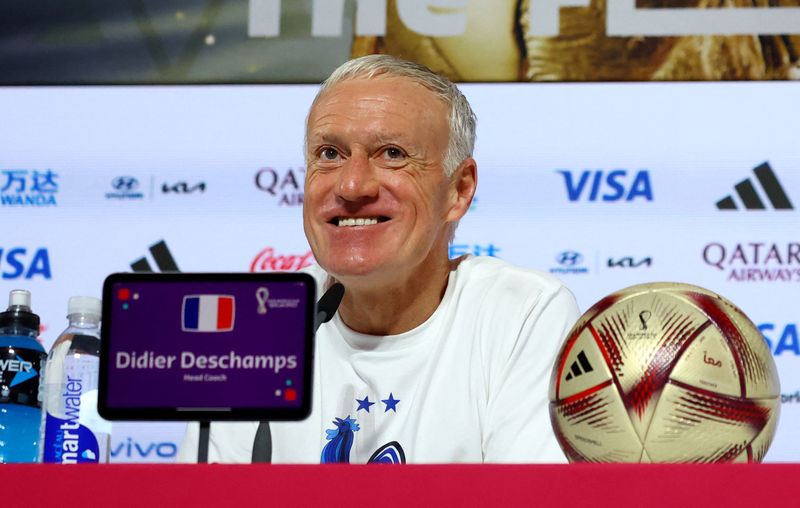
pixel 358 179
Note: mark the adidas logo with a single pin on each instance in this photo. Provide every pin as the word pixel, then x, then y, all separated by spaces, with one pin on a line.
pixel 750 198
pixel 579 367
pixel 161 255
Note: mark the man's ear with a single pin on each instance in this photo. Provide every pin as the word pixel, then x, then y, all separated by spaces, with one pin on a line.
pixel 463 183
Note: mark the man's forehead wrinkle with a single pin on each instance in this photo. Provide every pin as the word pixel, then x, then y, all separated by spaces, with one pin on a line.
pixel 367 112
pixel 338 133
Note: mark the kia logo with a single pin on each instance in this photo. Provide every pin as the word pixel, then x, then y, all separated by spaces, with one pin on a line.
pixel 183 188
pixel 569 258
pixel 125 183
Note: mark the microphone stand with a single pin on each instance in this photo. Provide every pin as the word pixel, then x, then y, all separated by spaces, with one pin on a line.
pixel 202 446
pixel 326 308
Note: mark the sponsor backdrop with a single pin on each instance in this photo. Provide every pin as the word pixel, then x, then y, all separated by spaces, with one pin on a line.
pixel 302 41
pixel 603 185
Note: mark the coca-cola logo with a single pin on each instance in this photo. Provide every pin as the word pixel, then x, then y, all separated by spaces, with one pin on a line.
pixel 268 261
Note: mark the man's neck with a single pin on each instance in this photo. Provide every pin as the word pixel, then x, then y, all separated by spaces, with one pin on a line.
pixel 398 306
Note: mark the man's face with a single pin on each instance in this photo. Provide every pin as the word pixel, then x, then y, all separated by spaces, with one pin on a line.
pixel 377 201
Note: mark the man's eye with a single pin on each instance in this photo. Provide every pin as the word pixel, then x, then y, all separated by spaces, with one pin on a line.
pixel 394 153
pixel 329 154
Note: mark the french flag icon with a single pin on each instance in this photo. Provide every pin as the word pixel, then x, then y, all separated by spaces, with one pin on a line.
pixel 208 313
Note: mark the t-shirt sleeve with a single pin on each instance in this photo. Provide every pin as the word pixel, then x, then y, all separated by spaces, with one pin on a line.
pixel 518 428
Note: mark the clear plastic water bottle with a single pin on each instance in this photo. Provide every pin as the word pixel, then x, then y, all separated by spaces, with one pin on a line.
pixel 71 430
pixel 21 360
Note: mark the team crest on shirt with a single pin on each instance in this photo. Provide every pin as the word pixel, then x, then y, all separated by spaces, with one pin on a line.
pixel 340 441
pixel 342 436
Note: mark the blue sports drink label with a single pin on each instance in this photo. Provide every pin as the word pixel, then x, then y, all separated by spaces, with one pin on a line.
pixel 20 363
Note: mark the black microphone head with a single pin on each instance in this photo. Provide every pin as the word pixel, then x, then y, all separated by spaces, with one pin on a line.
pixel 330 301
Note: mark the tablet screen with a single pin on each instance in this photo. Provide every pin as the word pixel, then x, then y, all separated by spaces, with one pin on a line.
pixel 206 346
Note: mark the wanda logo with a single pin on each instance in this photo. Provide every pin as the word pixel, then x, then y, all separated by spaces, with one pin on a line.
pixel 268 261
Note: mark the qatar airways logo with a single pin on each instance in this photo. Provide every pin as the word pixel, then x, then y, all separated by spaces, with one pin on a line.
pixel 270 261
pixel 755 261
pixel 286 185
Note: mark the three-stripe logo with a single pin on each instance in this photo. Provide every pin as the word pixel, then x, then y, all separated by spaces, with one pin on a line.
pixel 749 196
pixel 161 255
pixel 579 367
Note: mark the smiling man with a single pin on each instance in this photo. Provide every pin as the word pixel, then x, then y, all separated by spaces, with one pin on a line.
pixel 428 359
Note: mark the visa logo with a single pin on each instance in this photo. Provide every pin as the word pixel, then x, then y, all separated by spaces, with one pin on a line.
pixel 15 263
pixel 785 342
pixel 133 449
pixel 616 185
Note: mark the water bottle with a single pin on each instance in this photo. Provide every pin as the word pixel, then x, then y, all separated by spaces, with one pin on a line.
pixel 72 432
pixel 21 360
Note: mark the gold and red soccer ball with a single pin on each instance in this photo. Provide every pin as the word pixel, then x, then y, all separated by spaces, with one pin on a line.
pixel 664 372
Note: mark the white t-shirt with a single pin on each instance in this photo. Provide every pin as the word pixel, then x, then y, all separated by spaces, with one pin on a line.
pixel 469 384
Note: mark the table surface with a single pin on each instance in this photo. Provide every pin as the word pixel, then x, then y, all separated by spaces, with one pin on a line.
pixel 584 485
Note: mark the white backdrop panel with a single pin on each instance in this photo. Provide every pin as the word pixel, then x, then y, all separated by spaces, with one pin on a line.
pixel 676 149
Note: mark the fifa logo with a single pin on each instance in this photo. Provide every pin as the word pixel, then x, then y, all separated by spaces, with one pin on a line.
pixel 643 330
pixel 644 317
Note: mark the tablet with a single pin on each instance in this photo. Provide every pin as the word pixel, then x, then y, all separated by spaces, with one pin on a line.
pixel 207 346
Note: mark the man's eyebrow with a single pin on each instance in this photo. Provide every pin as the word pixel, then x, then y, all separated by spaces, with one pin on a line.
pixel 325 137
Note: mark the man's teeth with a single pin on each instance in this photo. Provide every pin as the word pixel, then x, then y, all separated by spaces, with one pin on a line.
pixel 361 221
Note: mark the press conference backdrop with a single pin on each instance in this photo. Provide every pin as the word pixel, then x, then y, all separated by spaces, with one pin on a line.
pixel 603 185
pixel 274 41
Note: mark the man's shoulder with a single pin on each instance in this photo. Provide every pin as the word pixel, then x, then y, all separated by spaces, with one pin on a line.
pixel 486 273
pixel 496 287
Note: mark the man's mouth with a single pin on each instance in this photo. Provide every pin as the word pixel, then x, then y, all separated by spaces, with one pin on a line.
pixel 344 222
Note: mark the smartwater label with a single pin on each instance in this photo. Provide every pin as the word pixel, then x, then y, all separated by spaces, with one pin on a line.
pixel 66 441
pixel 73 431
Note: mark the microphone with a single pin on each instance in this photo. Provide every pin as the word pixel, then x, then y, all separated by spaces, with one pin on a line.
pixel 326 308
pixel 327 305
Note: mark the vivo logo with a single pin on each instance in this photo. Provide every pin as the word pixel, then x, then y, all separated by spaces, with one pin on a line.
pixel 131 449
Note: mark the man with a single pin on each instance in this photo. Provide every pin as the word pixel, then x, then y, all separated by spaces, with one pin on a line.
pixel 428 359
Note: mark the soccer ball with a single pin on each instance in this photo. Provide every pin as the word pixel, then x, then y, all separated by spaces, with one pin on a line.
pixel 664 372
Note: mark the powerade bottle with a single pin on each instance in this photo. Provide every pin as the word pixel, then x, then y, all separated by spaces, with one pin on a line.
pixel 72 431
pixel 21 360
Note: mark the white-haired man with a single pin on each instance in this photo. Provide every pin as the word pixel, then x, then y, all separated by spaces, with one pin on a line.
pixel 428 359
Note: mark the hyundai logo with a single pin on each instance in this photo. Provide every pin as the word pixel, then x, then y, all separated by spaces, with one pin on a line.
pixel 569 258
pixel 125 183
